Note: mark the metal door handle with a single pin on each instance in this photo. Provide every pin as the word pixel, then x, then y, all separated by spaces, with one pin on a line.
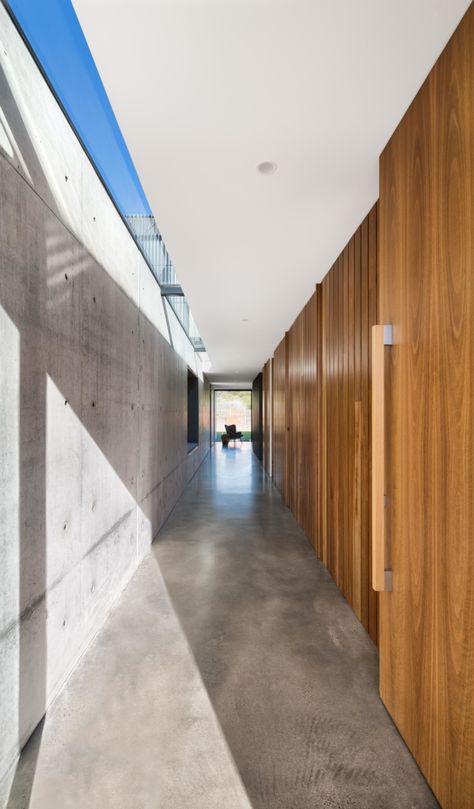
pixel 381 575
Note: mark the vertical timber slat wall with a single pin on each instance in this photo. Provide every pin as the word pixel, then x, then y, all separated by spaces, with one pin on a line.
pixel 279 367
pixel 302 418
pixel 266 415
pixel 348 310
pixel 321 417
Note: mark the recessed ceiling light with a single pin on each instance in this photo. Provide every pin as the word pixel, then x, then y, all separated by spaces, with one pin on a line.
pixel 267 167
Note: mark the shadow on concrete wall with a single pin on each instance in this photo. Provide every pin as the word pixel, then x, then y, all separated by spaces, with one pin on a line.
pixel 114 370
pixel 32 451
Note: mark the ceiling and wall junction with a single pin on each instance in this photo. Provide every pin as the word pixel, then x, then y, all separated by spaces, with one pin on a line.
pixel 205 91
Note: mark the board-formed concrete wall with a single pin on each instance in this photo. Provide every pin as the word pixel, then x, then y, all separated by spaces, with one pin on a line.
pixel 93 396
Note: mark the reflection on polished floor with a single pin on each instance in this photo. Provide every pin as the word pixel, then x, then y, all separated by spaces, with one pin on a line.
pixel 291 673
pixel 232 674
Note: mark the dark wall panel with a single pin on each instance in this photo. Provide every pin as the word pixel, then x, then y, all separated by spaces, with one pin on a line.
pixel 257 416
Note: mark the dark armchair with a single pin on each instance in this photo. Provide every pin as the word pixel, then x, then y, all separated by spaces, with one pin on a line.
pixel 231 430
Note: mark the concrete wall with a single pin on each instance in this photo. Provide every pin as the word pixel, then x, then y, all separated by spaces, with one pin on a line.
pixel 92 400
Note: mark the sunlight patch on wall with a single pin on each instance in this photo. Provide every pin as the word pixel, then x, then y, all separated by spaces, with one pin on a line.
pixel 9 538
pixel 91 517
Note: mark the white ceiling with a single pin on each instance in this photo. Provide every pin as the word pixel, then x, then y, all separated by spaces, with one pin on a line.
pixel 204 90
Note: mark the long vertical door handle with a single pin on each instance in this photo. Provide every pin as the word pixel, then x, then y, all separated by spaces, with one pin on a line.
pixel 381 575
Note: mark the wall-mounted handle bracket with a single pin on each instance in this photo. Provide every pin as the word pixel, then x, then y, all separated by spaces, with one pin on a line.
pixel 381 575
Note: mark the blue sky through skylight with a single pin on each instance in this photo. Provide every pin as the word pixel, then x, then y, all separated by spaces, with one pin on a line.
pixel 55 35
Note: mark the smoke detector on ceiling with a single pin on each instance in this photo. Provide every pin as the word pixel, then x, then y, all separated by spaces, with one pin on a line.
pixel 267 167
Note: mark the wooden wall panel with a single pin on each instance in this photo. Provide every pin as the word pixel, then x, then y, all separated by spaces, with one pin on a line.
pixel 372 314
pixel 321 412
pixel 279 408
pixel 348 310
pixel 267 425
pixel 320 482
pixel 302 434
pixel 426 276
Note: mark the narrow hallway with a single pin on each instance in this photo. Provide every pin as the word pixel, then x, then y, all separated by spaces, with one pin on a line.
pixel 291 676
pixel 237 410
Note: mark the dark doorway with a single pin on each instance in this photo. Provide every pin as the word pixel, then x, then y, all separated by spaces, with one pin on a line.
pixel 193 411
pixel 257 416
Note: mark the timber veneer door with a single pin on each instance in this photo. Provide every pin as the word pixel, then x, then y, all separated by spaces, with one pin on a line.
pixel 426 291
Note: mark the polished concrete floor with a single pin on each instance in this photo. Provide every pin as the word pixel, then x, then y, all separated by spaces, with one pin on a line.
pixel 232 674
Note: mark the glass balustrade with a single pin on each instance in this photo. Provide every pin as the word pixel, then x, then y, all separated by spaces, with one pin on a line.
pixel 150 241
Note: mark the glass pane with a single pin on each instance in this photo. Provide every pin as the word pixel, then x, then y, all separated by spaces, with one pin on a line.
pixel 234 407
